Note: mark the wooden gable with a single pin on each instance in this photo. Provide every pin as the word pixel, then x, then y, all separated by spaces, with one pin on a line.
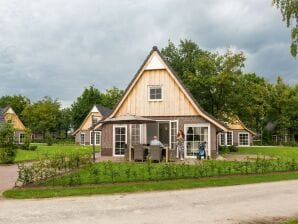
pixel 87 123
pixel 176 100
pixel 11 116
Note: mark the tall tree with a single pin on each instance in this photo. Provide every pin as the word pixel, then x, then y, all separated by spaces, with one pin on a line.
pixel 17 102
pixel 65 121
pixel 111 97
pixel 289 11
pixel 83 104
pixel 43 115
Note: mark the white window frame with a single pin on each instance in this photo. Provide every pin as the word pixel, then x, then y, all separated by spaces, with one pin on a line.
pixel 95 132
pixel 114 127
pixel 177 123
pixel 140 131
pixel 20 138
pixel 222 134
pixel 82 133
pixel 201 125
pixel 248 139
pixel 154 87
pixel 226 135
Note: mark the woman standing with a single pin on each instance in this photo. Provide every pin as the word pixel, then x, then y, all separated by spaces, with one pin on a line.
pixel 180 144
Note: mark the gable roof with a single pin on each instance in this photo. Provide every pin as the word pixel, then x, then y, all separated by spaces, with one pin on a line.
pixel 234 123
pixel 2 113
pixel 170 70
pixel 105 112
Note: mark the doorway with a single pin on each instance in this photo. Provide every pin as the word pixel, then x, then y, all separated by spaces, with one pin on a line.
pixel 164 132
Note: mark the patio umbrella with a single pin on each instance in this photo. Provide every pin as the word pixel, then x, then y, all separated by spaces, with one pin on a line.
pixel 127 119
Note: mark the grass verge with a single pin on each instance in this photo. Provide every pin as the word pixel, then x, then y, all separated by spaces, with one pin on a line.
pixel 48 192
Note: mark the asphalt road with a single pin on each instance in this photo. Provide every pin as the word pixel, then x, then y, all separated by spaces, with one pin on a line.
pixel 234 204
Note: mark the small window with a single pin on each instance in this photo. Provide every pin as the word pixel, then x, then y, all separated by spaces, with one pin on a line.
pixel 155 93
pixel 82 139
pixel 229 138
pixel 22 138
pixel 94 120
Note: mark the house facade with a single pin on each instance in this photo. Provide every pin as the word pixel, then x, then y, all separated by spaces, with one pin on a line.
pixel 238 134
pixel 8 115
pixel 156 92
pixel 84 134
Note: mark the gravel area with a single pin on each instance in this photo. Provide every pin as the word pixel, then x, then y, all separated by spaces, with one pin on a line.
pixel 255 203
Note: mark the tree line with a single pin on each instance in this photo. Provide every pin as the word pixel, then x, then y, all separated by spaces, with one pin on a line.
pixel 47 115
pixel 219 84
pixel 217 81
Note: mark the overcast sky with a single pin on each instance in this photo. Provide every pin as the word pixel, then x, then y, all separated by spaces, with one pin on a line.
pixel 57 47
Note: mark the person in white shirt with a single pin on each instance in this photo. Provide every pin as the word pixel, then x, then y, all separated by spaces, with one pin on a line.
pixel 155 141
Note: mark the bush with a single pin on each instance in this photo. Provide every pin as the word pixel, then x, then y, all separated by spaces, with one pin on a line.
pixel 233 148
pixel 227 149
pixel 7 155
pixel 223 149
pixel 45 169
pixel 49 139
pixel 8 150
pixel 33 147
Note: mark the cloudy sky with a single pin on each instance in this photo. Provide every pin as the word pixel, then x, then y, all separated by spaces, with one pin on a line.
pixel 57 47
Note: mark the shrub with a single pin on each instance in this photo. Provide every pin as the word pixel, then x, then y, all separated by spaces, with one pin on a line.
pixel 223 149
pixel 45 169
pixel 49 139
pixel 33 147
pixel 233 148
pixel 7 155
pixel 8 150
pixel 27 139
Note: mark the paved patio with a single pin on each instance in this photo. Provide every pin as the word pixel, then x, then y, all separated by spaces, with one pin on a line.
pixel 8 176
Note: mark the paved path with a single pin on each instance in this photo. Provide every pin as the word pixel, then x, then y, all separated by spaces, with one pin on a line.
pixel 8 176
pixel 233 204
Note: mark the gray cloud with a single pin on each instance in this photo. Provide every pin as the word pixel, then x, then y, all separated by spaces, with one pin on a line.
pixel 58 47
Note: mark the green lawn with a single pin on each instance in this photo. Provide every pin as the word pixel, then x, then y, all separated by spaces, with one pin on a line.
pixel 21 193
pixel 44 150
pixel 291 221
pixel 280 151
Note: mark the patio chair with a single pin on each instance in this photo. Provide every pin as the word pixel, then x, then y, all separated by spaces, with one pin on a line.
pixel 172 155
pixel 139 153
pixel 155 153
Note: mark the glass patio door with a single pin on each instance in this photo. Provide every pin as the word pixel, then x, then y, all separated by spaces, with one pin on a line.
pixel 194 137
pixel 119 140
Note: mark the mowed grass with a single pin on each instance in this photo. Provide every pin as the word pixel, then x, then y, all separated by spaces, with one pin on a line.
pixel 278 151
pixel 22 193
pixel 44 150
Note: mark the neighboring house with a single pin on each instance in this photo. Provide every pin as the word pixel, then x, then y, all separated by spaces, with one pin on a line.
pixel 282 135
pixel 83 135
pixel 156 92
pixel 7 114
pixel 237 135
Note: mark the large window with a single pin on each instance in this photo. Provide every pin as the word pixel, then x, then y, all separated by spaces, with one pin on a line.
pixel 243 139
pixel 135 134
pixel 119 139
pixel 229 138
pixel 174 132
pixel 97 138
pixel 155 93
pixel 194 137
pixel 82 139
